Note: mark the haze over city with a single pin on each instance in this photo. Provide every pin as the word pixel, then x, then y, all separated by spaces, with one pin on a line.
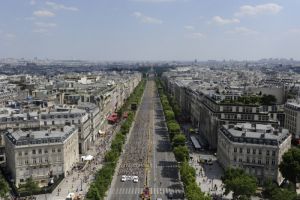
pixel 150 29
pixel 149 100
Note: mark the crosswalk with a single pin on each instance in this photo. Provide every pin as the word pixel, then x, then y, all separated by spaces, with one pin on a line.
pixel 124 191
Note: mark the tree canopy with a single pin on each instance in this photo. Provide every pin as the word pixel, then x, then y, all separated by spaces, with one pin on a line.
pixel 4 188
pixel 31 186
pixel 272 191
pixel 169 115
pixel 290 165
pixel 181 153
pixel 178 140
pixel 241 184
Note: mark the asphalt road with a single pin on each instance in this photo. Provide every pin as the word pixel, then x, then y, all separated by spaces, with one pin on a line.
pixel 164 171
pixel 148 152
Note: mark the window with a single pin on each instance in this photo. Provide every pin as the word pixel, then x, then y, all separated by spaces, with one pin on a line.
pixel 34 160
pixel 253 160
pixel 254 151
pixel 26 161
pixel 45 123
pixel 268 152
pixel 259 161
pixel 248 159
pixel 20 153
pixel 273 162
pixel 273 153
pixel 53 150
pixel 46 150
pixel 33 152
pixel 241 150
pixel 267 161
pixel 259 151
pixel 240 160
pixel 235 150
pixel 26 153
pixel 40 151
pixel 53 122
pixel 248 151
pixel 234 159
pixel 58 150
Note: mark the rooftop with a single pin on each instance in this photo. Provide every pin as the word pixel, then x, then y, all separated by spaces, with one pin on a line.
pixel 255 133
pixel 20 137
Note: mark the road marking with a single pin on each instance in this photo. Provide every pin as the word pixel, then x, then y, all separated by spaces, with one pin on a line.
pixel 155 191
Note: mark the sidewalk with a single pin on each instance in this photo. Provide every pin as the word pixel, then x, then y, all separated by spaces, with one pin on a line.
pixel 78 181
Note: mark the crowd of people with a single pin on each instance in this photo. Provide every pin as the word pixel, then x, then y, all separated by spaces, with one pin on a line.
pixel 134 159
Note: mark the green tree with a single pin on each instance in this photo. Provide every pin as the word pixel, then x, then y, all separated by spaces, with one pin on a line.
pixel 290 165
pixel 281 193
pixel 169 114
pixel 4 188
pixel 111 156
pixel 173 128
pixel 241 184
pixel 268 99
pixel 178 140
pixel 93 193
pixel 187 173
pixel 181 153
pixel 31 186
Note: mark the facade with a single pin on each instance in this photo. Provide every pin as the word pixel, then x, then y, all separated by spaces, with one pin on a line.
pixel 209 109
pixel 41 154
pixel 59 117
pixel 292 118
pixel 256 148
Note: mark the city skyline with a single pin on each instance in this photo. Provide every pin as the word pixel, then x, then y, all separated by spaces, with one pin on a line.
pixel 149 29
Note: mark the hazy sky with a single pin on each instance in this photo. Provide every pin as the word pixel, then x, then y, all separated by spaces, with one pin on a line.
pixel 150 29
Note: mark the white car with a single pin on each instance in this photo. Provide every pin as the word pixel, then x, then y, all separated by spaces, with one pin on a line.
pixel 124 178
pixel 135 179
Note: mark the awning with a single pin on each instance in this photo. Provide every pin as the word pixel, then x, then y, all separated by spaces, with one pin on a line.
pixel 88 157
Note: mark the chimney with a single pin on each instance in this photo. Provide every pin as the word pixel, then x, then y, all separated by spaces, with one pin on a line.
pixel 244 133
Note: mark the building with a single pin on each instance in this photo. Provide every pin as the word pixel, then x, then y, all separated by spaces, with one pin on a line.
pixel 209 105
pixel 292 118
pixel 256 148
pixel 58 117
pixel 41 154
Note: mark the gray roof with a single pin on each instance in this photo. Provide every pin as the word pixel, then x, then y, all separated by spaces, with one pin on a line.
pixel 258 134
pixel 20 137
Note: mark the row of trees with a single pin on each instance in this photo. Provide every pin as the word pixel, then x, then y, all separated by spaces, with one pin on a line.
pixel 104 176
pixel 180 150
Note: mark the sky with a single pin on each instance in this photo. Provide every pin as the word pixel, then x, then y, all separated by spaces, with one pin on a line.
pixel 152 30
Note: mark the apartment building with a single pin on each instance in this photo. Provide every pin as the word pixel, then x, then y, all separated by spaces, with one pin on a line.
pixel 58 117
pixel 41 154
pixel 209 109
pixel 292 118
pixel 94 116
pixel 256 148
